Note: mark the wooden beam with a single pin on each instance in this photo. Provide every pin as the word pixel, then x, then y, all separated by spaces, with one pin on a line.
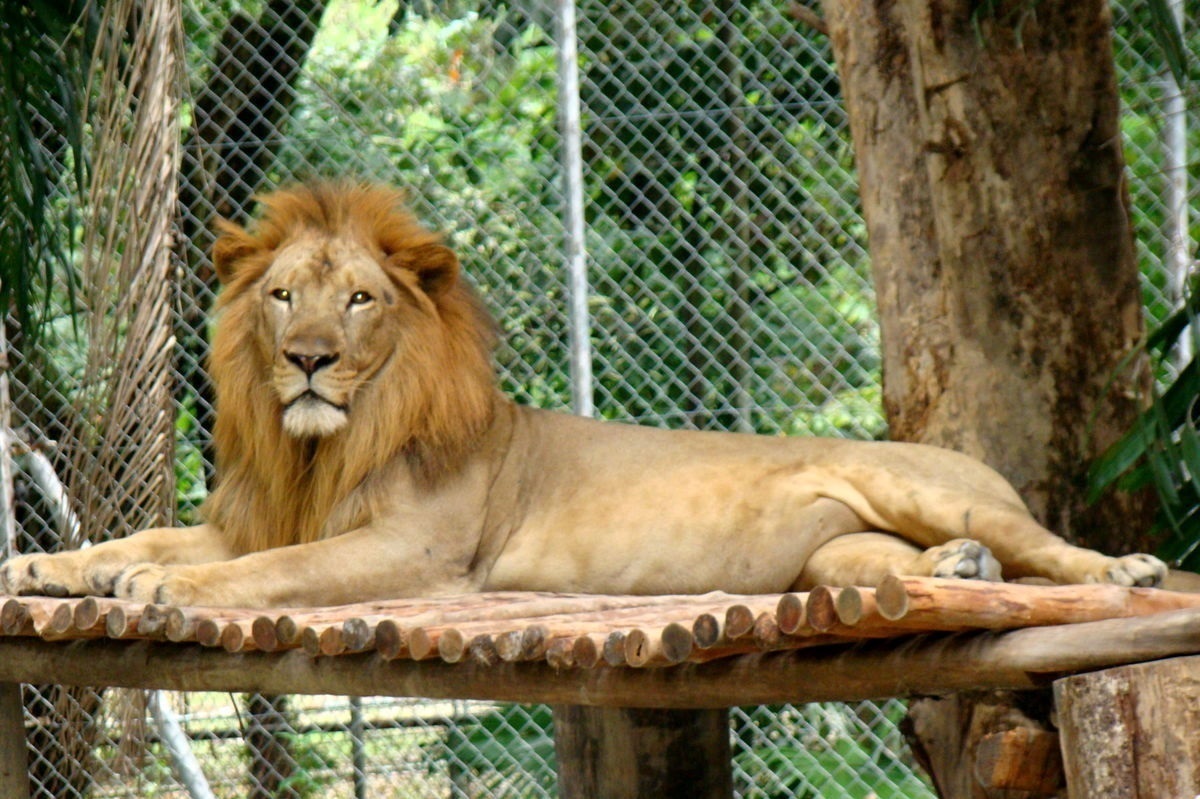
pixel 925 665
pixel 1130 732
pixel 628 753
pixel 14 782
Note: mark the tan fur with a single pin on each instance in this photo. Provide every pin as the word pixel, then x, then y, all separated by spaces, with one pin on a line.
pixel 430 404
pixel 406 473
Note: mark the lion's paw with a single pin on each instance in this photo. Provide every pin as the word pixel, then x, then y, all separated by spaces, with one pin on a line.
pixel 48 575
pixel 1142 571
pixel 962 558
pixel 155 583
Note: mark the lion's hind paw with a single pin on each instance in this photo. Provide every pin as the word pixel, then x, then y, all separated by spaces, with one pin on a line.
pixel 1141 571
pixel 962 558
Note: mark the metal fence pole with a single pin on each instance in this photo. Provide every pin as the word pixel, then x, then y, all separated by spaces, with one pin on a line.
pixel 1175 166
pixel 569 114
pixel 8 523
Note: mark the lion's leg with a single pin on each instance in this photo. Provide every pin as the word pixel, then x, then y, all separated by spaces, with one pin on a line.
pixel 94 570
pixel 357 566
pixel 1027 549
pixel 1060 562
pixel 866 558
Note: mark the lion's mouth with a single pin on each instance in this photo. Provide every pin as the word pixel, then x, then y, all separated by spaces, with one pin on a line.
pixel 310 415
pixel 310 396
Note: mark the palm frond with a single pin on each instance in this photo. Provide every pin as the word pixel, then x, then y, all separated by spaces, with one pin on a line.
pixel 1162 448
pixel 41 104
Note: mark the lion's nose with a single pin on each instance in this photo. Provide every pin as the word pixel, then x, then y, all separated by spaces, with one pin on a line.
pixel 311 363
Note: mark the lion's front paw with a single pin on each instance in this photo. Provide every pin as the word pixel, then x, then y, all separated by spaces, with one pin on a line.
pixel 1143 571
pixel 49 575
pixel 154 583
pixel 961 558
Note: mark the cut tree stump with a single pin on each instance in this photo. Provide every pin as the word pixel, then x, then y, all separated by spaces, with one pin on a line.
pixel 1132 732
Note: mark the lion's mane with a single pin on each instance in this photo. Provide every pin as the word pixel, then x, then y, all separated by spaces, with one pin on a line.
pixel 429 404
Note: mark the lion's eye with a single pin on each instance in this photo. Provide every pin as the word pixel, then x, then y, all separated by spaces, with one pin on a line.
pixel 360 298
pixel 283 295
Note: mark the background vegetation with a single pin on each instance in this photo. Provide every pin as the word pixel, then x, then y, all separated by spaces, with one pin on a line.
pixel 730 285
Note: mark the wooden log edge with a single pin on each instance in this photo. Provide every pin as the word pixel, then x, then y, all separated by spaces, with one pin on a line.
pixel 922 665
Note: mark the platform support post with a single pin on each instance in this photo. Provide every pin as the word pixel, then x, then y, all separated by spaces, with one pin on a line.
pixel 1130 732
pixel 14 781
pixel 623 753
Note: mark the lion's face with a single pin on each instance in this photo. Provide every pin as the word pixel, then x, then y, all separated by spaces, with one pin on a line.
pixel 345 342
pixel 331 322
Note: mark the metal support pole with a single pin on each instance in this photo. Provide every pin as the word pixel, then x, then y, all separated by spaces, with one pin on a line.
pixel 1179 261
pixel 569 116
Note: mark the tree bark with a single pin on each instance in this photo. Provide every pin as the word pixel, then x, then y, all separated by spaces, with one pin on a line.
pixel 623 753
pixel 1130 732
pixel 991 172
pixel 13 750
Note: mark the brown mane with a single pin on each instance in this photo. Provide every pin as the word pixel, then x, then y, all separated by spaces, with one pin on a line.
pixel 429 405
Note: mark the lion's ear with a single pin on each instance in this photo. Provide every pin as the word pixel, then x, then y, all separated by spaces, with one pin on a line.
pixel 232 246
pixel 435 265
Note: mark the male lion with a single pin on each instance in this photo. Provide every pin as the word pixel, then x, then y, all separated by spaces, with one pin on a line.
pixel 364 452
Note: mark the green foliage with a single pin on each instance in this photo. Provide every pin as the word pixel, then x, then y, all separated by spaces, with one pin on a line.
pixel 1163 446
pixel 509 752
pixel 729 264
pixel 470 131
pixel 311 773
pixel 41 137
pixel 460 104
pixel 820 752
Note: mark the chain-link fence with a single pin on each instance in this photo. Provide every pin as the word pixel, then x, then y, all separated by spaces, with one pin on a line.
pixel 728 287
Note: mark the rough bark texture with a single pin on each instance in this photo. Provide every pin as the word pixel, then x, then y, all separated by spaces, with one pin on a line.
pixel 955 736
pixel 1130 732
pixel 992 183
pixel 13 780
pixel 623 753
pixel 991 173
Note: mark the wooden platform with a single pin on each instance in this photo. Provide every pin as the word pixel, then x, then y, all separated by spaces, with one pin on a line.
pixel 901 638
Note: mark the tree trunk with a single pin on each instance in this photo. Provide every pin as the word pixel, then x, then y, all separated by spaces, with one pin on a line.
pixel 992 182
pixel 1130 732
pixel 623 753
pixel 267 735
pixel 991 173
pixel 14 781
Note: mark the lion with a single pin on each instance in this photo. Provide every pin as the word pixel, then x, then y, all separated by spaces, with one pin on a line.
pixel 365 452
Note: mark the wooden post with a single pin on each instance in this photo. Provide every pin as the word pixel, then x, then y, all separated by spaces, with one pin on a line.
pixel 14 781
pixel 624 753
pixel 1130 732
